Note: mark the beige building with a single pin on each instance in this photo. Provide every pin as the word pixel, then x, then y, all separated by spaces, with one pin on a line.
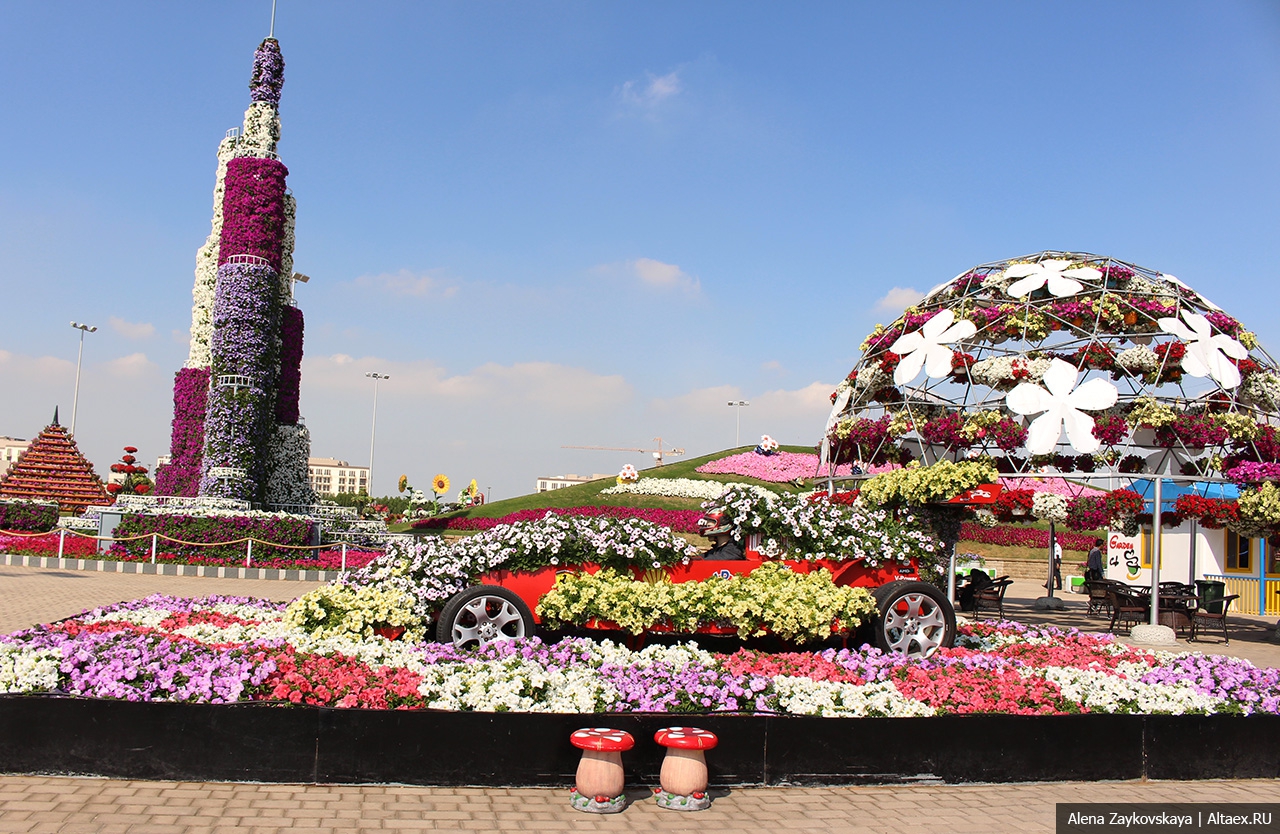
pixel 10 449
pixel 330 476
pixel 550 482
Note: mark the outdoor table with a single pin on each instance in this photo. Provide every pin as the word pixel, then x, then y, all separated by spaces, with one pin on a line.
pixel 1175 610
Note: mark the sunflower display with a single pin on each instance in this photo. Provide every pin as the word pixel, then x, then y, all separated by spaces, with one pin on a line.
pixel 440 484
pixel 403 483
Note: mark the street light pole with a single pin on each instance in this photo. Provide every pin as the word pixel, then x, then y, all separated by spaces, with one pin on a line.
pixel 75 399
pixel 737 434
pixel 373 433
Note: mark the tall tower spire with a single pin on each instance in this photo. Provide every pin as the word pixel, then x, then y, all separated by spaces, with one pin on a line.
pixel 236 429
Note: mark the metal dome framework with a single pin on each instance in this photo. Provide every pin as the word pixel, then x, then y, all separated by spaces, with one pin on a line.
pixel 1139 371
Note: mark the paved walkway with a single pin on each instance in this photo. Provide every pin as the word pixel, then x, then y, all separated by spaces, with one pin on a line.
pixel 70 805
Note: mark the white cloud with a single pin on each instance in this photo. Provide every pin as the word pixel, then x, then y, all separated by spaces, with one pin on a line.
pixel 429 284
pixel 181 337
pixel 130 330
pixel 707 422
pixel 650 273
pixel 132 366
pixel 651 93
pixel 771 365
pixel 898 299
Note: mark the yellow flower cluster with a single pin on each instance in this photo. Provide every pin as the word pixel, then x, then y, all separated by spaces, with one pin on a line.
pixel 1148 412
pixel 917 484
pixel 770 599
pixel 354 611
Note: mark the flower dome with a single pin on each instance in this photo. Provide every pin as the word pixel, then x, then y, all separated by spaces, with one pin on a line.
pixel 1062 362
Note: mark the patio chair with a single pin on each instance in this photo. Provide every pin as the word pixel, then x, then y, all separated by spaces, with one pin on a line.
pixel 1127 606
pixel 1099 602
pixel 991 598
pixel 1201 616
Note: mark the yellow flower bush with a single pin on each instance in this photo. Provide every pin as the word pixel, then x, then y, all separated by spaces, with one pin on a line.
pixel 800 607
pixel 915 484
pixel 354 611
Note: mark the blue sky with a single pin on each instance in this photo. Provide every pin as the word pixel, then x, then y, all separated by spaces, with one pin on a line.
pixel 595 223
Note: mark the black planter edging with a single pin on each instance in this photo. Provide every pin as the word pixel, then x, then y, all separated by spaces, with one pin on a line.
pixel 272 743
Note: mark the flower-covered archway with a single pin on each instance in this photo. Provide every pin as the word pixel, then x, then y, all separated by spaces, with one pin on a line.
pixel 1065 362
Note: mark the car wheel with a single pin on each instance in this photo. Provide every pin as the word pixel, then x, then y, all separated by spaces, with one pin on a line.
pixel 483 614
pixel 915 619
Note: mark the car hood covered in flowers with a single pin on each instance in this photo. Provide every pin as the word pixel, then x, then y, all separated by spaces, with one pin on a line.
pixel 224 650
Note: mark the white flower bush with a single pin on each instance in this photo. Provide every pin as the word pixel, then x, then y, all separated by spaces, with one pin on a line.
pixel 1099 691
pixel 1139 360
pixel 998 371
pixel 1049 506
pixel 287 464
pixel 682 488
pixel 24 670
pixel 828 699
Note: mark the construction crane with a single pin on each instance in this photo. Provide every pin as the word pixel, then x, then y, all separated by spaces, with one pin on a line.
pixel 657 453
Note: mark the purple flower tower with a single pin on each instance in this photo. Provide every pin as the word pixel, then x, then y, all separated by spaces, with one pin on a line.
pixel 236 428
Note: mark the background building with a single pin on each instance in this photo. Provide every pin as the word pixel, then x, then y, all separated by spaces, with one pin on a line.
pixel 550 482
pixel 330 476
pixel 10 449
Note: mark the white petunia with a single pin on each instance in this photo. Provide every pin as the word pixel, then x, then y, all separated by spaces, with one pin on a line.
pixel 1059 403
pixel 1204 356
pixel 926 347
pixel 1058 274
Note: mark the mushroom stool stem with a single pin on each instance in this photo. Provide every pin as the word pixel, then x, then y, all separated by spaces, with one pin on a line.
pixel 600 777
pixel 684 768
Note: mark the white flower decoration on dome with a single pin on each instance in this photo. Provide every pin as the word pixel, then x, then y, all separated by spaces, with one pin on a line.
pixel 1204 356
pixel 1058 274
pixel 1059 403
pixel 926 347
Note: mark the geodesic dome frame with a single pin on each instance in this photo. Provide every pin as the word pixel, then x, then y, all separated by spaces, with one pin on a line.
pixel 1061 362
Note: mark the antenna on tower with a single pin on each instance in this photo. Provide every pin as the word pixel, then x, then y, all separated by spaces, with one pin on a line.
pixel 273 19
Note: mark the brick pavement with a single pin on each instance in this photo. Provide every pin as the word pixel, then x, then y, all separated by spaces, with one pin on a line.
pixel 105 806
pixel 71 805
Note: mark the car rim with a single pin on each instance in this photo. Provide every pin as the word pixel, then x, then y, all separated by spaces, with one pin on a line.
pixel 486 619
pixel 914 624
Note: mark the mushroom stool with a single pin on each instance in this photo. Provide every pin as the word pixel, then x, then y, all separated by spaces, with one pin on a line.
pixel 684 768
pixel 598 788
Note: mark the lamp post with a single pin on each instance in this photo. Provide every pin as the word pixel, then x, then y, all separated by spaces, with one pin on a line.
pixel 737 434
pixel 75 399
pixel 373 433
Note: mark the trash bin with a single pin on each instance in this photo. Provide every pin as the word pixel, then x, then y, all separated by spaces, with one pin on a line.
pixel 1211 593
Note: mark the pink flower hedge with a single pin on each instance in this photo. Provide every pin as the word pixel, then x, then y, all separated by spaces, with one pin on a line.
pixel 1057 486
pixel 682 521
pixel 1012 536
pixel 776 468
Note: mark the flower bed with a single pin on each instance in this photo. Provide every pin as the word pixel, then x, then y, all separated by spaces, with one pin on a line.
pixel 224 649
pixel 1010 535
pixel 680 488
pixel 779 467
pixel 81 547
pixel 208 530
pixel 28 516
pixel 681 521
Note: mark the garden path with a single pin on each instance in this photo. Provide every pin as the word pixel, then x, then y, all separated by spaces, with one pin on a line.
pixel 70 805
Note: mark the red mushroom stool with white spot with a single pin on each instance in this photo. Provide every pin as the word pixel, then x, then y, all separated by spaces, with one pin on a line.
pixel 599 783
pixel 684 768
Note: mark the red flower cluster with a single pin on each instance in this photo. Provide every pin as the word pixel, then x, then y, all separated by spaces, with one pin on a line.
pixel 1123 502
pixel 965 691
pixel 1011 536
pixel 797 664
pixel 338 681
pixel 844 498
pixel 1213 513
pixel 1012 503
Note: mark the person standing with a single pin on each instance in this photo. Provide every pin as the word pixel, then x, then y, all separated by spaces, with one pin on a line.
pixel 1093 567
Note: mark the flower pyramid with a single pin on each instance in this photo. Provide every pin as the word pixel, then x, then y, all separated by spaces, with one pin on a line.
pixel 52 469
pixel 236 428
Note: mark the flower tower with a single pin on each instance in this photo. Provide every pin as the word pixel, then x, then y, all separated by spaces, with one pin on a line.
pixel 53 469
pixel 1063 362
pixel 236 428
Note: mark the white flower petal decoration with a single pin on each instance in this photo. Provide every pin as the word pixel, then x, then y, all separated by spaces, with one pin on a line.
pixel 1205 352
pixel 926 347
pixel 1061 276
pixel 1060 405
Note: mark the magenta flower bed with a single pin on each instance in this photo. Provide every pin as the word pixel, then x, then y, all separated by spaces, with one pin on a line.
pixel 253 210
pixel 682 521
pixel 290 384
pixel 26 517
pixel 777 468
pixel 211 530
pixel 1012 536
pixel 80 547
